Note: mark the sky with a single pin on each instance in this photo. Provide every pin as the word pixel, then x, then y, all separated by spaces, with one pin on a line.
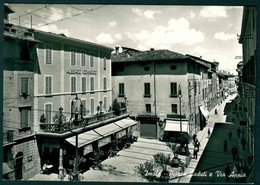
pixel 206 31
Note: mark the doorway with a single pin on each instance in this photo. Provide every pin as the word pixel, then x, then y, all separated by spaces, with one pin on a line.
pixel 19 166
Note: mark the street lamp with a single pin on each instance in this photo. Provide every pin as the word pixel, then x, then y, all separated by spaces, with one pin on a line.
pixel 76 106
pixel 180 95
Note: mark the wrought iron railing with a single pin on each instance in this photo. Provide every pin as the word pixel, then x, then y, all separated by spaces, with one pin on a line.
pixel 80 123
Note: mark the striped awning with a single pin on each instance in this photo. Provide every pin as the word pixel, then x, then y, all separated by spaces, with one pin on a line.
pixel 100 132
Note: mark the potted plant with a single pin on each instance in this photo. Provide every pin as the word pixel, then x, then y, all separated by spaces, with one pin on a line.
pixel 97 158
pixel 163 160
pixel 146 171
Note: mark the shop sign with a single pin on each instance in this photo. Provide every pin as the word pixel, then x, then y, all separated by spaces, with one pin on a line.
pixel 120 134
pixel 87 149
pixel 82 71
pixel 104 141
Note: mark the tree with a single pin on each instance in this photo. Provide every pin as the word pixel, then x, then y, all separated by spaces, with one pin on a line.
pixel 116 107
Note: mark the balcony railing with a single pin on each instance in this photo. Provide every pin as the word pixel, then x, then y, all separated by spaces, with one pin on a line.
pixel 71 125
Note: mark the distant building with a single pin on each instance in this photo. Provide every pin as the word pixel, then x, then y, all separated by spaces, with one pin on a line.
pixel 148 81
pixel 20 152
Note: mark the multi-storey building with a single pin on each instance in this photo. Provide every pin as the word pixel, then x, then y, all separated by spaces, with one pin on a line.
pixel 248 84
pixel 149 81
pixel 20 152
pixel 70 67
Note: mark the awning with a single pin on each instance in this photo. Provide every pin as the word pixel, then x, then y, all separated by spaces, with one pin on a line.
pixel 108 129
pixel 204 111
pixel 124 123
pixel 100 132
pixel 174 125
pixel 84 138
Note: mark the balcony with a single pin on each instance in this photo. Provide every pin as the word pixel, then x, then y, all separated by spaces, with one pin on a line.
pixel 81 123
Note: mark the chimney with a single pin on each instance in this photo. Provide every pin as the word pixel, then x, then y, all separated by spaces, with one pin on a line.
pixel 151 49
pixel 117 50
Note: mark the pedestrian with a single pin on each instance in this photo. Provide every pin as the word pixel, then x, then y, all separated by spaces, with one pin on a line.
pixel 208 132
pixel 236 153
pixel 227 172
pixel 238 132
pixel 225 145
pixel 195 152
pixel 243 142
pixel 230 135
pixel 197 144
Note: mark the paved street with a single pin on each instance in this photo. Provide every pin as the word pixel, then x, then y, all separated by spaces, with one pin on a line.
pixel 214 160
pixel 121 168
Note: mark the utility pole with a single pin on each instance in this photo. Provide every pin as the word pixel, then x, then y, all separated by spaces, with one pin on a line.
pixel 195 92
pixel 154 72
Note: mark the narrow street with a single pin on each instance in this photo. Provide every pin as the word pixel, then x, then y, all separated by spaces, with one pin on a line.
pixel 214 160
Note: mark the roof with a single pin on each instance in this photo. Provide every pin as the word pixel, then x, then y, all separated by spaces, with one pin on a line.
pixel 198 58
pixel 10 35
pixel 150 55
pixel 8 9
pixel 64 37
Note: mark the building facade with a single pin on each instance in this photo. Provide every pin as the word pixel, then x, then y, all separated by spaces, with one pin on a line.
pixel 248 81
pixel 20 152
pixel 70 67
pixel 149 82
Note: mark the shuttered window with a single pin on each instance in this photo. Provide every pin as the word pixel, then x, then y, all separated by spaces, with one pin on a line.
pixel 121 89
pixel 73 84
pixel 48 54
pixel 91 64
pixel 147 89
pixel 173 89
pixel 92 84
pixel 105 83
pixel 104 63
pixel 24 85
pixel 73 57
pixel 84 83
pixel 83 59
pixel 24 118
pixel 48 85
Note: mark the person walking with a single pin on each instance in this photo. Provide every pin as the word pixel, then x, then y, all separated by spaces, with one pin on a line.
pixel 225 145
pixel 208 132
pixel 238 132
pixel 243 142
pixel 236 153
pixel 195 152
pixel 227 172
pixel 230 135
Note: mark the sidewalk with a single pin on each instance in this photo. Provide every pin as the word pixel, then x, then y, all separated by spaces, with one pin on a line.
pixel 203 138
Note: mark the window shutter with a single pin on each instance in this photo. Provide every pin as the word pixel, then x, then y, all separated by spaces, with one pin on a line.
pixel 84 88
